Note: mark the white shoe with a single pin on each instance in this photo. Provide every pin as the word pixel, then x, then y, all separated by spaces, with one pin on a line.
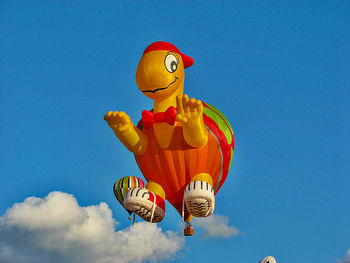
pixel 199 198
pixel 146 204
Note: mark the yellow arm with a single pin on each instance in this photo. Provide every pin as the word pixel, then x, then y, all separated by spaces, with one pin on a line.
pixel 190 113
pixel 132 137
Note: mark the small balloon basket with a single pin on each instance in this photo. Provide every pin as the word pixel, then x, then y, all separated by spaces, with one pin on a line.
pixel 188 231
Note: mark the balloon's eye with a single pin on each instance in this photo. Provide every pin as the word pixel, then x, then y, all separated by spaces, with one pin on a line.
pixel 170 63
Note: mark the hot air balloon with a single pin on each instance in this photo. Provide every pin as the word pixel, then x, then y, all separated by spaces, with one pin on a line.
pixel 268 259
pixel 183 147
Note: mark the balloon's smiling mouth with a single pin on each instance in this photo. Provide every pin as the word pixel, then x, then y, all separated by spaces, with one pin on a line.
pixel 153 91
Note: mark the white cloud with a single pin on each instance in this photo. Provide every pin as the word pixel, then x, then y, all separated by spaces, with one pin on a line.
pixel 56 229
pixel 346 259
pixel 216 226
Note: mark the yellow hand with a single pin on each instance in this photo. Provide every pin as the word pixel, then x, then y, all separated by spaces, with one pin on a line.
pixel 119 121
pixel 189 111
pixel 190 114
pixel 132 137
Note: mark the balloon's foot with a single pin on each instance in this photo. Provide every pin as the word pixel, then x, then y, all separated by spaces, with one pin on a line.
pixel 146 204
pixel 200 200
pixel 188 231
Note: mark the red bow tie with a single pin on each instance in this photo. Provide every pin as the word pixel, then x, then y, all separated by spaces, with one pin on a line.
pixel 148 117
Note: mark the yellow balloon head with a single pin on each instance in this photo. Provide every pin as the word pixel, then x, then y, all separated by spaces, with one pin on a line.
pixel 160 73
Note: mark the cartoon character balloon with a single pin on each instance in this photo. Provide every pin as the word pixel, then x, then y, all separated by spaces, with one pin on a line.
pixel 183 146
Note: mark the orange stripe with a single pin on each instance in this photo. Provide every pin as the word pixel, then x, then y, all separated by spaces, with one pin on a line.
pixel 191 163
pixel 162 176
pixel 202 158
pixel 168 163
pixel 180 153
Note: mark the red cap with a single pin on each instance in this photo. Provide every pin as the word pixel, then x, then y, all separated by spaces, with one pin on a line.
pixel 162 45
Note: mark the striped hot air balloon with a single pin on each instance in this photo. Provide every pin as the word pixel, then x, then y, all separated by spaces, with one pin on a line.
pixel 122 186
pixel 173 167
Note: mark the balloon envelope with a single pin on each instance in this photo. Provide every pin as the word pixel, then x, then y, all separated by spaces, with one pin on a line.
pixel 173 167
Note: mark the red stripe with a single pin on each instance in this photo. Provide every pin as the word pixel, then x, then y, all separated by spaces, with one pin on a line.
pixel 228 126
pixel 159 201
pixel 141 184
pixel 225 147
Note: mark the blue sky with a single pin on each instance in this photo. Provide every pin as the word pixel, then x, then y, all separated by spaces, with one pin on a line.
pixel 278 70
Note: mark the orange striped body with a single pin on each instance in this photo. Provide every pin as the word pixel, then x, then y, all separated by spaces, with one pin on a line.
pixel 173 168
